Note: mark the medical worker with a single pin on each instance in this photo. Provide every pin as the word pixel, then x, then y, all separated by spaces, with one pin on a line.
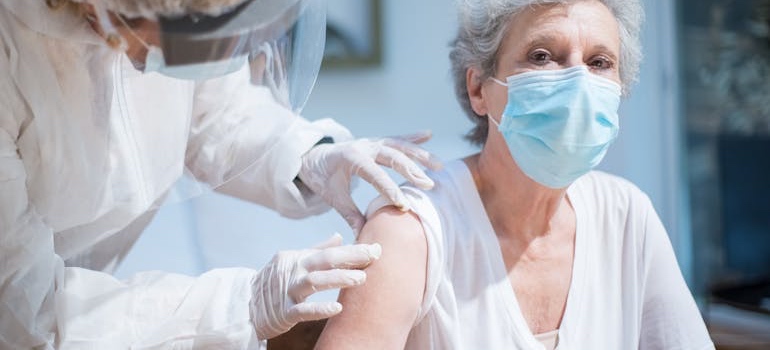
pixel 108 108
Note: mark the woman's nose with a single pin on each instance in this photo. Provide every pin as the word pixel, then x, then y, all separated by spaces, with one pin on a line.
pixel 574 59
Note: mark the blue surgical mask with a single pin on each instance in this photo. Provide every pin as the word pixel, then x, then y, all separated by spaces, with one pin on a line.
pixel 198 71
pixel 558 124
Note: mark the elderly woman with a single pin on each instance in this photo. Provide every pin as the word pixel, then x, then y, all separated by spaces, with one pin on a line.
pixel 522 246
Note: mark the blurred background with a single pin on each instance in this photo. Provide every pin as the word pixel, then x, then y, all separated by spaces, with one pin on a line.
pixel 695 136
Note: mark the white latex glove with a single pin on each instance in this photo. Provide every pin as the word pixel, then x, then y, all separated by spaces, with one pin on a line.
pixel 282 286
pixel 328 170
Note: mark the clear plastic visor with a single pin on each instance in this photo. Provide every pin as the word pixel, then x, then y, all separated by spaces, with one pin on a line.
pixel 281 40
pixel 281 54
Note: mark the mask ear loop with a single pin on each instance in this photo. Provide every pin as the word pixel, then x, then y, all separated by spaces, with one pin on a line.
pixel 499 82
pixel 138 65
pixel 133 34
pixel 493 120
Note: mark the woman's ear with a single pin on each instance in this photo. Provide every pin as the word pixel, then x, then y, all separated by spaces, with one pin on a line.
pixel 475 92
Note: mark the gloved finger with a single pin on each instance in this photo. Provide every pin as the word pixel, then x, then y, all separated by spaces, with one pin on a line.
pixel 317 281
pixel 372 173
pixel 406 167
pixel 416 138
pixel 355 256
pixel 415 152
pixel 312 311
pixel 344 205
pixel 334 241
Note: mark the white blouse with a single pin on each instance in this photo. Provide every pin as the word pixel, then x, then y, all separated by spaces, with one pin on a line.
pixel 625 278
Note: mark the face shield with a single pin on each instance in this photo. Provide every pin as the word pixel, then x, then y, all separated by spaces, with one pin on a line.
pixel 278 43
pixel 282 41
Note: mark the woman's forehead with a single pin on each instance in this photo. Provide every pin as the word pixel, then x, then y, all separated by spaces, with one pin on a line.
pixel 589 20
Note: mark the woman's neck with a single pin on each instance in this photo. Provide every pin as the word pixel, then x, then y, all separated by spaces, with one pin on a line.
pixel 518 207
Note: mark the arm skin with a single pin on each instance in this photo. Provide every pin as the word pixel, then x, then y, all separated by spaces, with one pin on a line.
pixel 380 313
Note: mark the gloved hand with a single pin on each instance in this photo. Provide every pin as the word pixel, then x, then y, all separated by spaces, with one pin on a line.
pixel 282 286
pixel 328 169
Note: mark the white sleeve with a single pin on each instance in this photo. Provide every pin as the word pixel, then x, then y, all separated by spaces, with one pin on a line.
pixel 670 318
pixel 238 129
pixel 43 304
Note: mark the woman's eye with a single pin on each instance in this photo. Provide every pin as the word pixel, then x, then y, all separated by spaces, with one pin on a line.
pixel 540 57
pixel 600 63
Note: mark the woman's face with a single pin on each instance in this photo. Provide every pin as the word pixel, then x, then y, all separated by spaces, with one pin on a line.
pixel 555 37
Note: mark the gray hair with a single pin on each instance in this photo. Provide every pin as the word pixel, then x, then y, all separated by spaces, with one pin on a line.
pixel 482 27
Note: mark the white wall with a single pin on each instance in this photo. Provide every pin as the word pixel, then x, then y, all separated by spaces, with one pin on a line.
pixel 411 91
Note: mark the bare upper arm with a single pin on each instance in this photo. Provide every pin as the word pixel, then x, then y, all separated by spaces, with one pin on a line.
pixel 380 313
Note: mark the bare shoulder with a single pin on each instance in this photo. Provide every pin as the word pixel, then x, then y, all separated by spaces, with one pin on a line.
pixel 393 290
pixel 404 253
pixel 391 224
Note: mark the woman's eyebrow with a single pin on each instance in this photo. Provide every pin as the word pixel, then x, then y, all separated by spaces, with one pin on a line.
pixel 605 50
pixel 541 39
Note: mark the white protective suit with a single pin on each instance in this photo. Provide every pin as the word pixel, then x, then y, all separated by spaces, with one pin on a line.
pixel 87 145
